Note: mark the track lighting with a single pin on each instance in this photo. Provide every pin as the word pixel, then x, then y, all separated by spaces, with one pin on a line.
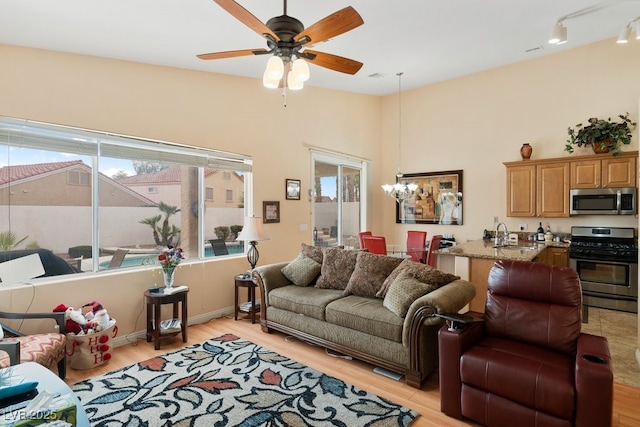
pixel 623 37
pixel 558 34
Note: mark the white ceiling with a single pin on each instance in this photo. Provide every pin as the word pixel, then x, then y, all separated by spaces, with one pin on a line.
pixel 429 41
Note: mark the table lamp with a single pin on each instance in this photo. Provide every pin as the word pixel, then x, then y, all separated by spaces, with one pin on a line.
pixel 252 232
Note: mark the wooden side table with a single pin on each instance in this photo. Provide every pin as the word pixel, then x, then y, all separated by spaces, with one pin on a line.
pixel 246 282
pixel 154 301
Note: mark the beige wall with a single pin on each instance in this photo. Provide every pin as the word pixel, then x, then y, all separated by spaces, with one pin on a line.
pixel 472 123
pixel 194 108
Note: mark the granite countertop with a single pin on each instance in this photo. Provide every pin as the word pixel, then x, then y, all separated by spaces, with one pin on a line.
pixel 523 251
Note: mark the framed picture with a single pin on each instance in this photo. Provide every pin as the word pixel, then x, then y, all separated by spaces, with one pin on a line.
pixel 437 200
pixel 270 212
pixel 292 189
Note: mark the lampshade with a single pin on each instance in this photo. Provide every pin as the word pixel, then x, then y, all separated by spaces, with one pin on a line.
pixel 252 231
pixel 275 67
pixel 269 82
pixel 300 69
pixel 293 82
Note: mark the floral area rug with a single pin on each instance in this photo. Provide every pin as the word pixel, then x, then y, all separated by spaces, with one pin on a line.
pixel 227 381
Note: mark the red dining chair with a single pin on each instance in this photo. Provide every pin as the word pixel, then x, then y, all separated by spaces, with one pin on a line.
pixel 375 244
pixel 360 235
pixel 416 241
pixel 434 245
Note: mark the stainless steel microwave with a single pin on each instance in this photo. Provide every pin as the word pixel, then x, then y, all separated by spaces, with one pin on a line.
pixel 603 201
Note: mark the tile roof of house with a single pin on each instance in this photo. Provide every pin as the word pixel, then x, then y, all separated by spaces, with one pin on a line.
pixel 18 172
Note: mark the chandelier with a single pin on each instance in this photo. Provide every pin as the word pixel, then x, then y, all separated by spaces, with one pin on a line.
pixel 400 191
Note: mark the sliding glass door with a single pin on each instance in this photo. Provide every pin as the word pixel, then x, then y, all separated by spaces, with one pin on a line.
pixel 337 196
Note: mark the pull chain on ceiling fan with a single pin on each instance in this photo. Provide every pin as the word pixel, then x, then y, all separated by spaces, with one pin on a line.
pixel 286 37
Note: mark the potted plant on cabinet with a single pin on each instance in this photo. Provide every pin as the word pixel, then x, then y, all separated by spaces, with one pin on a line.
pixel 602 135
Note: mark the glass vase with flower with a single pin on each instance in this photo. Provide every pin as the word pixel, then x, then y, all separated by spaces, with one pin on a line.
pixel 169 260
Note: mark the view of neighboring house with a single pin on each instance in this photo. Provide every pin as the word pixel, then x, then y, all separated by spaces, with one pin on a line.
pixel 53 203
pixel 223 189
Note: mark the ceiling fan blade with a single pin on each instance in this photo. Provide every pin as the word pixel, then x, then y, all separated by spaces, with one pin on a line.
pixel 333 62
pixel 231 53
pixel 244 16
pixel 333 25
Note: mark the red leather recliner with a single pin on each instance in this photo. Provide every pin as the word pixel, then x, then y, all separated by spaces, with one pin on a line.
pixel 527 363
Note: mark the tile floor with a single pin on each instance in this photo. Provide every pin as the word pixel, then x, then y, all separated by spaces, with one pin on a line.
pixel 621 330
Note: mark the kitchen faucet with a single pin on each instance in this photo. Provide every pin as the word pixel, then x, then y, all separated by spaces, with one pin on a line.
pixel 504 238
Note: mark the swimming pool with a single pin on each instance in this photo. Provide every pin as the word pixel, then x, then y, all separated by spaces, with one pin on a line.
pixel 138 260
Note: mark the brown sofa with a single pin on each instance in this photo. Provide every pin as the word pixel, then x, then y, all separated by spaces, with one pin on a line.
pixel 528 363
pixel 375 308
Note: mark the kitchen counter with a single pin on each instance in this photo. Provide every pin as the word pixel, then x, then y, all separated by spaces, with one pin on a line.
pixel 523 251
pixel 473 260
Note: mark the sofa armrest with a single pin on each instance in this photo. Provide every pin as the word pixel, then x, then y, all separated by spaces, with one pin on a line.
pixel 268 278
pixel 594 381
pixel 449 298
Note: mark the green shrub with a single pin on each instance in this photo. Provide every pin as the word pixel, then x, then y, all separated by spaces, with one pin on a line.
pixel 222 232
pixel 80 251
pixel 235 230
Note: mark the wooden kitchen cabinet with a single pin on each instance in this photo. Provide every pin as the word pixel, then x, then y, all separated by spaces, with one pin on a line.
pixel 612 172
pixel 557 256
pixel 538 189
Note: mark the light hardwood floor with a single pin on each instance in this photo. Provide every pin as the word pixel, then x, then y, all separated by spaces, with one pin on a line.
pixel 425 401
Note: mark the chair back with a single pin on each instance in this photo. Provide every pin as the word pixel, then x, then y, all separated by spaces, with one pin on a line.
pixel 362 234
pixel 535 303
pixel 434 245
pixel 219 247
pixel 117 258
pixel 375 244
pixel 416 241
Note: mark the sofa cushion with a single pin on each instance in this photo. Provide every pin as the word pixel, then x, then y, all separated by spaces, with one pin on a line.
pixel 365 315
pixel 369 273
pixel 308 301
pixel 423 272
pixel 337 266
pixel 302 270
pixel 312 252
pixel 404 290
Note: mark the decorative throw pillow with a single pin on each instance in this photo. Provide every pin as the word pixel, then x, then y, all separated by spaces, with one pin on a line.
pixel 312 252
pixel 337 266
pixel 369 273
pixel 404 290
pixel 302 270
pixel 423 272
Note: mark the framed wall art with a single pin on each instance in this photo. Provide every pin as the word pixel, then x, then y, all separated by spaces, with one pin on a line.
pixel 437 200
pixel 270 212
pixel 292 189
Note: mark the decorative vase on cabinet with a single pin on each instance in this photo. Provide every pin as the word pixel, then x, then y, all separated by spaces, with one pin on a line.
pixel 525 151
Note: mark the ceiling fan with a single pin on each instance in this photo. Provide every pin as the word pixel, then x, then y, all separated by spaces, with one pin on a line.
pixel 286 38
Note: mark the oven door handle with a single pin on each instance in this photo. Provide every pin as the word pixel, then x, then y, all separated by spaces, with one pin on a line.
pixel 618 201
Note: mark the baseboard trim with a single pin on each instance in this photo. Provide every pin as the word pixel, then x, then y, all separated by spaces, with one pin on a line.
pixel 195 320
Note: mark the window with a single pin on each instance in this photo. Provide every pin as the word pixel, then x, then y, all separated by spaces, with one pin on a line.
pixel 121 193
pixel 229 196
pixel 79 178
pixel 227 176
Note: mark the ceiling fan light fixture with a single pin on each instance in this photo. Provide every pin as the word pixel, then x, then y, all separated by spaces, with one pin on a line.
pixel 269 82
pixel 275 67
pixel 294 83
pixel 301 69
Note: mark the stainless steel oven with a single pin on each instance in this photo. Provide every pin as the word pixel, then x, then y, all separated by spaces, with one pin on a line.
pixel 606 259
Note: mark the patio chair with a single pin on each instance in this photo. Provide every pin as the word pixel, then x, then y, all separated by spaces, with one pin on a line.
pixel 219 247
pixel 47 349
pixel 117 258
